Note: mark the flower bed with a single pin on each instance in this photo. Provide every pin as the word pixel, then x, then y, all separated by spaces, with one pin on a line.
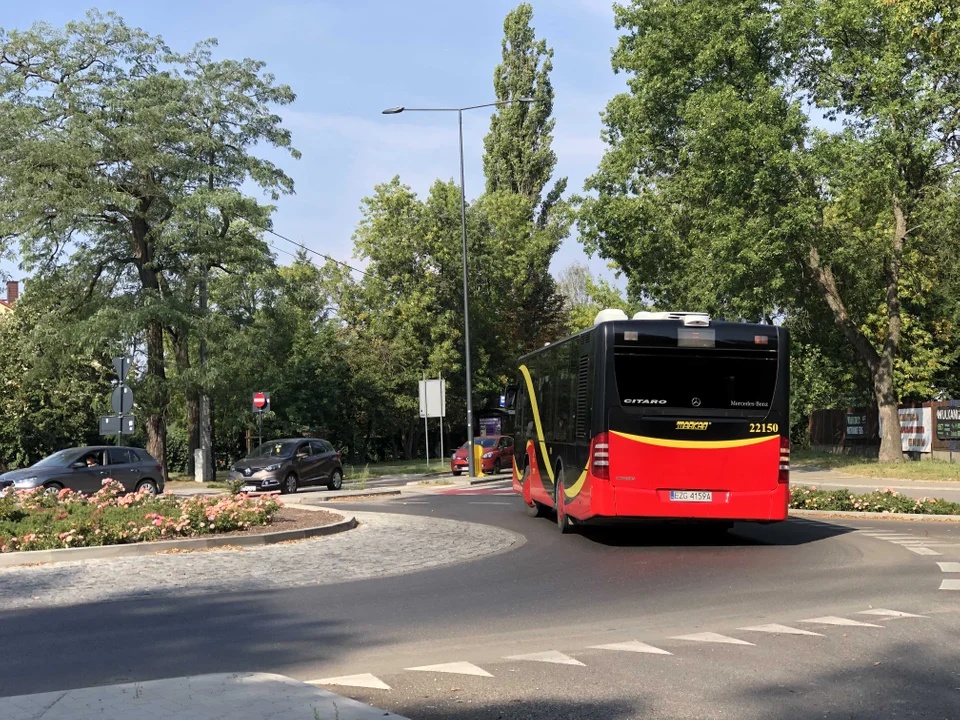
pixel 879 501
pixel 36 520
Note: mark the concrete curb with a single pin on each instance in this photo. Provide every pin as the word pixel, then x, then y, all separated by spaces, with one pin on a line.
pixel 489 479
pixel 152 548
pixel 341 495
pixel 876 515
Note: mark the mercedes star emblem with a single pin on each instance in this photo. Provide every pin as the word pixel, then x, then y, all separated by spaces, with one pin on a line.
pixel 696 402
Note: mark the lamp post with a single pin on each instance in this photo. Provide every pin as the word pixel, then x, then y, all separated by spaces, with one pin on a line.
pixel 472 470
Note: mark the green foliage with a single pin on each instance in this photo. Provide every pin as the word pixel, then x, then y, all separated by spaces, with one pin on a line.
pixel 718 193
pixel 55 385
pixel 878 501
pixel 585 296
pixel 123 164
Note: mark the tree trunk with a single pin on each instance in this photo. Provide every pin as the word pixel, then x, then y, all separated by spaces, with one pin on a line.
pixel 155 381
pixel 409 438
pixel 891 447
pixel 156 425
pixel 181 348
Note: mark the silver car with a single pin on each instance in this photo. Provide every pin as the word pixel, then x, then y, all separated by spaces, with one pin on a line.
pixel 84 470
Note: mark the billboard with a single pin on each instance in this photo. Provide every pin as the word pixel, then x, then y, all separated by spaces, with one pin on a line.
pixel 916 429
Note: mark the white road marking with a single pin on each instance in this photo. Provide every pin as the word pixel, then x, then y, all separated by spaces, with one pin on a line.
pixel 632 646
pixel 550 656
pixel 711 637
pixel 892 536
pixel 950 585
pixel 890 613
pixel 921 550
pixel 949 566
pixel 834 620
pixel 455 668
pixel 364 680
pixel 780 630
pixel 917 541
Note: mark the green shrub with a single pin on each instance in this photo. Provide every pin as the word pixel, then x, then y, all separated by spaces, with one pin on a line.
pixel 879 501
pixel 37 520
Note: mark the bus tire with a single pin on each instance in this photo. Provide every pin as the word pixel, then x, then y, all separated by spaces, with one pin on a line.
pixel 564 521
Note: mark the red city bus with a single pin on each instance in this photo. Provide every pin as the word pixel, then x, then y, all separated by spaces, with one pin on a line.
pixel 666 415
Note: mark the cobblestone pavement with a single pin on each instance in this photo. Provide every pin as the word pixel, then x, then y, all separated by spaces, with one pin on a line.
pixel 382 545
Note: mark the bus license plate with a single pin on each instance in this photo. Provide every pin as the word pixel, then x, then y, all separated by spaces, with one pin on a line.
pixel 691 496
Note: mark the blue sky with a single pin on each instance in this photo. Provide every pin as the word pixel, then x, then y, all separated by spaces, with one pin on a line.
pixel 349 60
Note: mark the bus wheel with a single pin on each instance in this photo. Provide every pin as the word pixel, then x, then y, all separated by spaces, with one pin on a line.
pixel 564 522
pixel 534 508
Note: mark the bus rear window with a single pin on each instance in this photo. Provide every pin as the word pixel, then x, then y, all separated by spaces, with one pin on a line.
pixel 696 381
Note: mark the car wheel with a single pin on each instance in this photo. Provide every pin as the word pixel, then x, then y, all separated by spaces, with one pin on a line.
pixel 52 488
pixel 496 466
pixel 336 480
pixel 289 485
pixel 148 486
pixel 457 473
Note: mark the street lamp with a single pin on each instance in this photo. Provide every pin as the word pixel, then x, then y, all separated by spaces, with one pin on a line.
pixel 463 227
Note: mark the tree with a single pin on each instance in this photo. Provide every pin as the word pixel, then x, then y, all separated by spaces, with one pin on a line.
pixel 717 192
pixel 123 161
pixel 55 383
pixel 585 296
pixel 519 162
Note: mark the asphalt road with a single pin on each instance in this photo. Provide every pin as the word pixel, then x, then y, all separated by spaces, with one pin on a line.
pixel 564 595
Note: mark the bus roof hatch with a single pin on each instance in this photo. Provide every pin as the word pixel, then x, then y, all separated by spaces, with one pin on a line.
pixel 608 315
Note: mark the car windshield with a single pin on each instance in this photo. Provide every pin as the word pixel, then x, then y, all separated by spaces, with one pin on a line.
pixel 282 448
pixel 61 458
pixel 486 442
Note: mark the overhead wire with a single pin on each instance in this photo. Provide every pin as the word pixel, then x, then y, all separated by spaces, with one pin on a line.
pixel 320 254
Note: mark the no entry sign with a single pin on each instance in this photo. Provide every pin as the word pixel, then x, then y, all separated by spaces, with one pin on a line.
pixel 261 402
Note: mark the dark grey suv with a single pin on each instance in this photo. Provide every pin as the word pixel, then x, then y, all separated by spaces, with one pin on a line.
pixel 84 470
pixel 285 465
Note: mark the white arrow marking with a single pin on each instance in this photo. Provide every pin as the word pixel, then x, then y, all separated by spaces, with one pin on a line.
pixel 950 585
pixel 780 630
pixel 949 566
pixel 456 668
pixel 711 637
pixel 550 656
pixel 833 620
pixel 364 680
pixel 633 646
pixel 889 613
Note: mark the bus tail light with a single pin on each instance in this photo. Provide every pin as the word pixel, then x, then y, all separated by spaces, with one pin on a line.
pixel 600 456
pixel 784 477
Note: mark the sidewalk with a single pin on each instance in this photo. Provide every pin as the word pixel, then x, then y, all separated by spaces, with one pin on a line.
pixel 833 479
pixel 237 696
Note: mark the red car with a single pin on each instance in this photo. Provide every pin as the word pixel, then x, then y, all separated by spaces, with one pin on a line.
pixel 497 455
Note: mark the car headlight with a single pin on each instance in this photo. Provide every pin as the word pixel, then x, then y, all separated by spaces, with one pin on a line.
pixel 272 468
pixel 25 482
pixel 487 456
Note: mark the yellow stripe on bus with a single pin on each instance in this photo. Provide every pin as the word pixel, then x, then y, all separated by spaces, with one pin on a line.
pixel 573 491
pixel 536 419
pixel 700 444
